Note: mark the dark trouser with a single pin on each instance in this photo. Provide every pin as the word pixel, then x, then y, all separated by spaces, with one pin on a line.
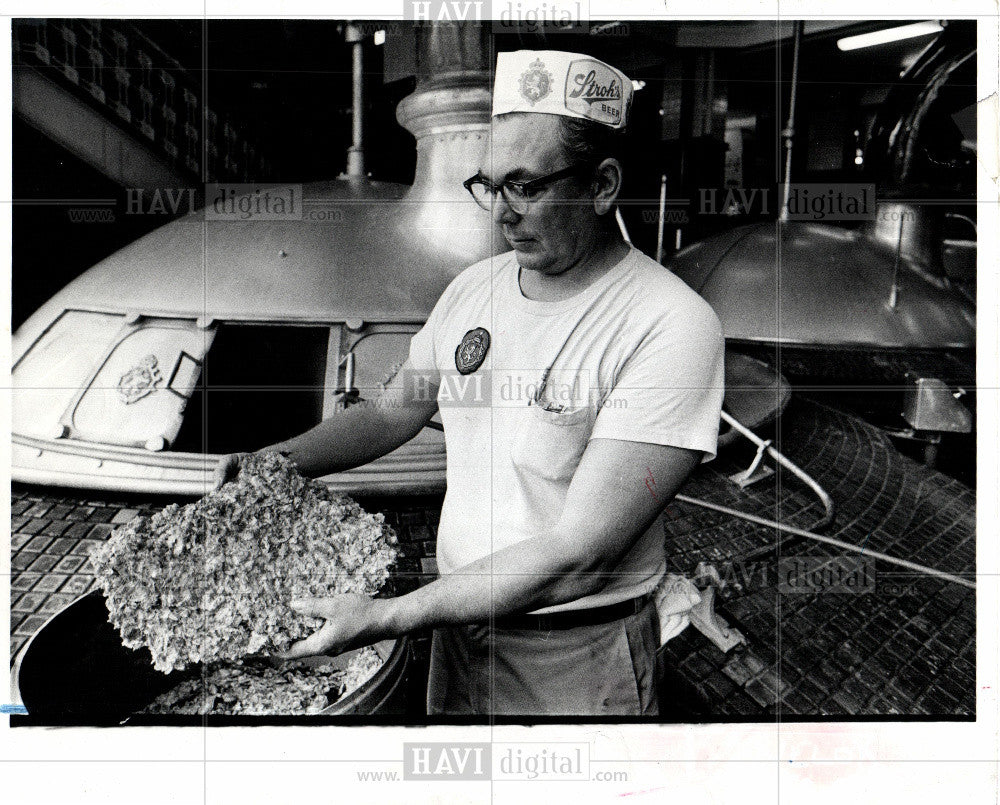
pixel 603 669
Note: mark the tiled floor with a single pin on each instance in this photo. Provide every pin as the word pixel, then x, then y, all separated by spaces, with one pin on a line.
pixel 905 646
pixel 908 646
pixel 52 534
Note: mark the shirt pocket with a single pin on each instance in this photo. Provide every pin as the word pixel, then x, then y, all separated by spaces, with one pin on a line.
pixel 549 444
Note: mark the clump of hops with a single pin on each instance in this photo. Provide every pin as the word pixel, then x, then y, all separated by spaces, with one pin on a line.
pixel 258 689
pixel 211 581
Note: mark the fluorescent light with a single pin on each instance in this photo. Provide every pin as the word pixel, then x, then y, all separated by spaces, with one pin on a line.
pixel 889 35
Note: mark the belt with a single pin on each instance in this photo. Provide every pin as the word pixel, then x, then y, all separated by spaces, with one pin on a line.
pixel 570 619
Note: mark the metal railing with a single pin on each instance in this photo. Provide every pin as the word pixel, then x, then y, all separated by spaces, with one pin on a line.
pixel 134 82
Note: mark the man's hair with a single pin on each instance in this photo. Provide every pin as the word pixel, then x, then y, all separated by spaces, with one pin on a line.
pixel 585 141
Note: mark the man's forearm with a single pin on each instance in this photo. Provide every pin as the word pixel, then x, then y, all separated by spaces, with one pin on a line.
pixel 608 507
pixel 350 438
pixel 531 574
pixel 534 573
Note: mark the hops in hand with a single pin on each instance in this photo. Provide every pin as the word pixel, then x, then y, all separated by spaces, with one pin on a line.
pixel 212 580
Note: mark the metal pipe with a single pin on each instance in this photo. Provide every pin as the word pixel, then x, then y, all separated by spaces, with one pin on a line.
pixel 356 153
pixel 349 373
pixel 788 464
pixel 660 221
pixel 753 518
pixel 789 131
pixel 894 290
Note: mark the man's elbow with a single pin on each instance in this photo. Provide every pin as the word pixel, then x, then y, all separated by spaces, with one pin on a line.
pixel 578 574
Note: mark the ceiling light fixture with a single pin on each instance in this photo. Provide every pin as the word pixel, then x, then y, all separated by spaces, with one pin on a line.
pixel 889 35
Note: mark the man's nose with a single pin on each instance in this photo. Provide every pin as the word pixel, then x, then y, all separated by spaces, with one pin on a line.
pixel 501 211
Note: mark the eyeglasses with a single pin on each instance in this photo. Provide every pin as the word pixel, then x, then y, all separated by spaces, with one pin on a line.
pixel 518 195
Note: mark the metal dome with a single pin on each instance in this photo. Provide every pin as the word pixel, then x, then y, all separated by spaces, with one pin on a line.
pixel 800 283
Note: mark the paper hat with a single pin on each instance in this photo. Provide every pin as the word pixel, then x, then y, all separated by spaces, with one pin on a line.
pixel 555 82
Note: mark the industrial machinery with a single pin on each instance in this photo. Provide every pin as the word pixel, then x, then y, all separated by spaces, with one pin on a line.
pixel 886 306
pixel 894 283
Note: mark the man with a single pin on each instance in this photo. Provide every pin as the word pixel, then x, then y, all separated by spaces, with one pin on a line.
pixel 599 383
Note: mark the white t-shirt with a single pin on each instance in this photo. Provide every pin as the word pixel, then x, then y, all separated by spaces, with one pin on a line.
pixel 637 355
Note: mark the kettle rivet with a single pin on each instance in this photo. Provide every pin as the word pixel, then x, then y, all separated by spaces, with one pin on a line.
pixel 282 253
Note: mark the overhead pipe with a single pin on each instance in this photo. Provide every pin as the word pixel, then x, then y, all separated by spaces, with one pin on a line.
pixel 789 133
pixel 621 226
pixel 660 219
pixel 356 153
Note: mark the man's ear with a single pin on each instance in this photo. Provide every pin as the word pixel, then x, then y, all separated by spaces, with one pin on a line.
pixel 607 184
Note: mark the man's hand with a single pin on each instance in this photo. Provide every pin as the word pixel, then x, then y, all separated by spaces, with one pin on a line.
pixel 352 621
pixel 227 469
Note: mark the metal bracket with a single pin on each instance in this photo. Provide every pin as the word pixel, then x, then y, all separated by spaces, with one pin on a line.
pixel 348 394
pixel 757 471
pixel 705 619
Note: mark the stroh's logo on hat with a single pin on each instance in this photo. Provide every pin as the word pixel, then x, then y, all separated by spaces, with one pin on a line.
pixel 594 91
pixel 536 82
pixel 555 82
